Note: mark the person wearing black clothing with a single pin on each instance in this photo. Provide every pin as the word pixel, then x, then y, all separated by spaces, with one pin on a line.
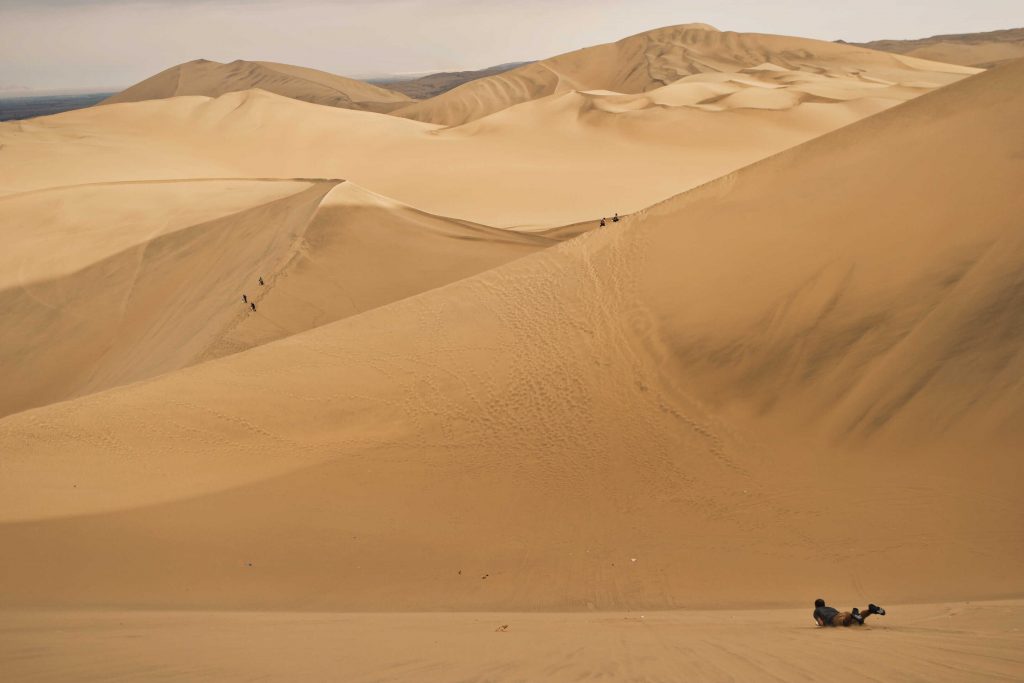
pixel 830 616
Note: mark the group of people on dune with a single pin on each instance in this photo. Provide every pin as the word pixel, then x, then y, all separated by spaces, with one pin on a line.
pixel 245 298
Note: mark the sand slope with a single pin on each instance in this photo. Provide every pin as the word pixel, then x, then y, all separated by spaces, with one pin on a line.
pixel 982 50
pixel 118 282
pixel 658 58
pixel 801 379
pixel 205 77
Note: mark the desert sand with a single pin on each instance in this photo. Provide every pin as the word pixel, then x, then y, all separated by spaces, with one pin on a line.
pixel 646 448
pixel 205 77
pixel 560 157
pixel 928 643
pixel 653 59
pixel 93 304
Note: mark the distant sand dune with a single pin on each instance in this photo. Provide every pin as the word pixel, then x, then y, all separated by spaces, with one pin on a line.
pixel 658 58
pixel 801 379
pixel 564 158
pixel 203 77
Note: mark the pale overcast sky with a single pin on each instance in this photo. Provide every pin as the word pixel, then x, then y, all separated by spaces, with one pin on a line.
pixel 77 43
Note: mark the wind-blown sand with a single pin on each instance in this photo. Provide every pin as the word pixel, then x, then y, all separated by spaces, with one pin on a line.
pixel 211 79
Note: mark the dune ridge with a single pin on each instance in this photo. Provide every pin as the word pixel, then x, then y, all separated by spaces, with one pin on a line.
pixel 211 79
pixel 138 294
pixel 566 158
pixel 719 402
pixel 658 58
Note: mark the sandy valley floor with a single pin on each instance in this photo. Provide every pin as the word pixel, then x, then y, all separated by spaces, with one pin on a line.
pixel 950 642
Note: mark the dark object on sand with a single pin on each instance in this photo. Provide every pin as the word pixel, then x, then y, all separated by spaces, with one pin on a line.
pixel 830 616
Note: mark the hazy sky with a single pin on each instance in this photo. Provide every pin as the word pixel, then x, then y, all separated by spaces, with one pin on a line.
pixel 78 43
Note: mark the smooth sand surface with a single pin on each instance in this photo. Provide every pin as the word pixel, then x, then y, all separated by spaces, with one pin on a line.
pixel 719 402
pixel 204 77
pixel 930 643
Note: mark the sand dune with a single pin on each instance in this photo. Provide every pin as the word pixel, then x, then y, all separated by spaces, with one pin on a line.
pixel 562 159
pixel 654 59
pixel 115 283
pixel 981 50
pixel 204 77
pixel 801 378
pixel 431 85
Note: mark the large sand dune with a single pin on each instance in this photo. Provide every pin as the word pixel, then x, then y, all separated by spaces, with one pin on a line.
pixel 565 158
pixel 204 77
pixel 654 59
pixel 118 282
pixel 801 379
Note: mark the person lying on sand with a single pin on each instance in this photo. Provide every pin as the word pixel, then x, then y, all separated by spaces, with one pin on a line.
pixel 830 616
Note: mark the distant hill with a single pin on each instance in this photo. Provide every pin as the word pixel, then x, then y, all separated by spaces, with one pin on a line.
pixel 212 79
pixel 981 50
pixel 425 87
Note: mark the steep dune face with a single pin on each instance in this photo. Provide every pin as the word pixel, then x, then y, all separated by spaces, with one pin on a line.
pixel 654 59
pixel 981 50
pixel 204 77
pixel 646 416
pixel 119 282
pixel 905 323
pixel 138 279
pixel 361 251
